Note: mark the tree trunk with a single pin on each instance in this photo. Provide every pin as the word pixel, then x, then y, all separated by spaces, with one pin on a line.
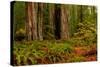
pixel 28 21
pixel 64 23
pixel 31 23
pixel 40 21
pixel 34 19
pixel 51 19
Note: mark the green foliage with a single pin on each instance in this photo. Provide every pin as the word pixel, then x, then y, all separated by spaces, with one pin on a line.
pixel 86 33
pixel 86 30
pixel 20 35
pixel 34 52
pixel 48 33
pixel 18 16
pixel 46 52
pixel 60 47
pixel 76 59
pixel 73 18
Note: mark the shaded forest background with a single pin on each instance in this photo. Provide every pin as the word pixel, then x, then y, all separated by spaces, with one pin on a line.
pixel 56 32
pixel 53 21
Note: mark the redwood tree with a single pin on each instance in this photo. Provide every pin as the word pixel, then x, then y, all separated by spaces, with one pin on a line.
pixel 31 23
pixel 64 23
pixel 40 21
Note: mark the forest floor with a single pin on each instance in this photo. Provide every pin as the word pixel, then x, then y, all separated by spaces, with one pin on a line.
pixel 49 52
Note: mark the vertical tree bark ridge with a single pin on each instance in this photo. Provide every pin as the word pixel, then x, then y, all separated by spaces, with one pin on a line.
pixel 34 21
pixel 64 23
pixel 29 21
pixel 40 21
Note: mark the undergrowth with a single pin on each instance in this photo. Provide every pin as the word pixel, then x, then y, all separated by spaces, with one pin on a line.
pixel 44 52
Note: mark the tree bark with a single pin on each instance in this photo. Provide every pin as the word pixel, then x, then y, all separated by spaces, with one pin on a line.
pixel 64 23
pixel 34 19
pixel 31 23
pixel 40 21
pixel 28 21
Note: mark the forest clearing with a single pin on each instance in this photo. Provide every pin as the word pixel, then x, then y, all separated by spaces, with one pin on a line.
pixel 49 33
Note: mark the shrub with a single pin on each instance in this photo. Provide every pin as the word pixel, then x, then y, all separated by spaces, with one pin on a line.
pixel 86 33
pixel 20 35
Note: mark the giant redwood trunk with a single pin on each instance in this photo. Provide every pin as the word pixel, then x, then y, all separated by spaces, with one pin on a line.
pixel 31 23
pixel 64 23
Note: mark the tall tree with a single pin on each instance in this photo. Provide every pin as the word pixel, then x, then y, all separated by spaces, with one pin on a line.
pixel 31 23
pixel 64 23
pixel 34 21
pixel 40 21
pixel 28 20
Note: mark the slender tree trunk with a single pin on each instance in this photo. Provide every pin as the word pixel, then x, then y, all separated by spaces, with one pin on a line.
pixel 64 23
pixel 40 21
pixel 51 19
